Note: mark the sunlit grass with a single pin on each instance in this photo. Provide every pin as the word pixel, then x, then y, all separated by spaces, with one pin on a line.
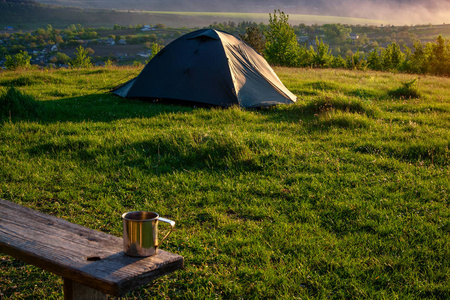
pixel 341 195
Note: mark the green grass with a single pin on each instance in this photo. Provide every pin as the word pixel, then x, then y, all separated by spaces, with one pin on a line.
pixel 344 194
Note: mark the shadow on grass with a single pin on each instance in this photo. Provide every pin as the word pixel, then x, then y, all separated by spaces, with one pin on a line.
pixel 326 113
pixel 105 107
pixel 435 152
pixel 18 106
pixel 159 155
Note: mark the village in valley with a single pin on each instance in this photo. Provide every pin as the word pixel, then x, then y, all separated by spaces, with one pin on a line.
pixel 131 45
pixel 52 47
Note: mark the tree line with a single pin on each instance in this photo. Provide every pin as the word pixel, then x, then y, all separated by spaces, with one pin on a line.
pixel 278 43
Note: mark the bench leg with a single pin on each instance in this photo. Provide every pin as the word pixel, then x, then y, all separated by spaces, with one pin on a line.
pixel 77 291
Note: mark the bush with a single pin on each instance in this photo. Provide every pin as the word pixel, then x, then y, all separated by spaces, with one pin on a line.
pixel 82 60
pixel 19 60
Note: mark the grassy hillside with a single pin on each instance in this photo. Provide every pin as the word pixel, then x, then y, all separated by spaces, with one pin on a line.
pixel 343 195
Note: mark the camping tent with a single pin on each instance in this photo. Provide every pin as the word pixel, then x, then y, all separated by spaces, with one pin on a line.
pixel 211 67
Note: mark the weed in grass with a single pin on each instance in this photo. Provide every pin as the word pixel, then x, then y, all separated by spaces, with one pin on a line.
pixel 408 90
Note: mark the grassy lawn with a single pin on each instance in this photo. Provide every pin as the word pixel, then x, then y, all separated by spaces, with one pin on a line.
pixel 344 194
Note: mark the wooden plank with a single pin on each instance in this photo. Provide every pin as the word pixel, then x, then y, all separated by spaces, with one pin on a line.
pixel 76 291
pixel 77 253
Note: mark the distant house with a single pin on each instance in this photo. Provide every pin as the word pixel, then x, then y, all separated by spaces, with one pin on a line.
pixel 52 48
pixel 354 36
pixel 147 28
pixel 122 42
pixel 303 38
pixel 110 42
pixel 121 55
pixel 144 54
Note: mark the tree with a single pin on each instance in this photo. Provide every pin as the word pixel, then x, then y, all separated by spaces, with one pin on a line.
pixel 281 41
pixel 19 60
pixel 374 60
pixel 255 38
pixel 336 33
pixel 322 58
pixel 81 60
pixel 50 30
pixel 392 57
pixel 439 57
pixel 338 62
pixel 305 56
pixel 154 48
pixel 356 61
pixel 62 58
pixel 90 51
pixel 418 62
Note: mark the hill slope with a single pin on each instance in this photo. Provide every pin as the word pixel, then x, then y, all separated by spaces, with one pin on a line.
pixel 344 194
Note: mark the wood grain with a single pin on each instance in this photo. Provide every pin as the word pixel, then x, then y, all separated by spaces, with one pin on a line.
pixel 76 291
pixel 86 256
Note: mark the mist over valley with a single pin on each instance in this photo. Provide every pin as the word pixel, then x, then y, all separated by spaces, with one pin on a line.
pixel 398 12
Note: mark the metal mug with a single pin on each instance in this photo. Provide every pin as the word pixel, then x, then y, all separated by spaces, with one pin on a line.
pixel 140 232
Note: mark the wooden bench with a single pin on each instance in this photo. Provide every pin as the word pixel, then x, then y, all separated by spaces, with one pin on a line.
pixel 92 263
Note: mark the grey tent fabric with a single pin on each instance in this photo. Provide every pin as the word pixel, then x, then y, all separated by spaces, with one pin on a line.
pixel 211 67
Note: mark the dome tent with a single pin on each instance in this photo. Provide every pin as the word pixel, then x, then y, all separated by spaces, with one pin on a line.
pixel 211 67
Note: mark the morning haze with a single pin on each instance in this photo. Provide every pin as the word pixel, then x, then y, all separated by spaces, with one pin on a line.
pixel 397 12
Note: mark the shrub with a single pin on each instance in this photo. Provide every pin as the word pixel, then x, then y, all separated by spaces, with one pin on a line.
pixel 81 60
pixel 19 60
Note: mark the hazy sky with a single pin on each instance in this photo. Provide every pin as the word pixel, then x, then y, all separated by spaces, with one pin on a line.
pixel 394 11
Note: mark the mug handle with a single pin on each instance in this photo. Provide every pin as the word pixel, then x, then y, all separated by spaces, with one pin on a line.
pixel 172 225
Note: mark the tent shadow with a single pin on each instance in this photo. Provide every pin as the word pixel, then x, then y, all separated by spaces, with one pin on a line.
pixel 104 107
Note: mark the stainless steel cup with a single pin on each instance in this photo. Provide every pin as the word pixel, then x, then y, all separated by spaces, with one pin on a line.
pixel 140 232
